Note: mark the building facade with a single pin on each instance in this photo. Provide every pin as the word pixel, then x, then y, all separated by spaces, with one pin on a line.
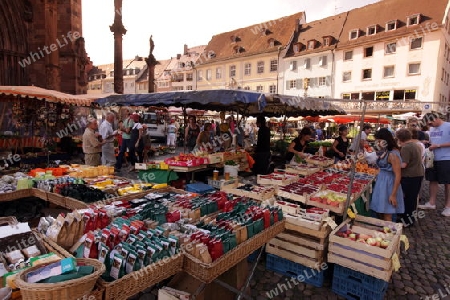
pixel 41 44
pixel 248 58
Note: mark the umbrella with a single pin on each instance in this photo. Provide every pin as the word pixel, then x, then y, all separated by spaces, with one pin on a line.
pixel 343 119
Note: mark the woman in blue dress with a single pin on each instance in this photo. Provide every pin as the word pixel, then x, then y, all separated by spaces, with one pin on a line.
pixel 387 196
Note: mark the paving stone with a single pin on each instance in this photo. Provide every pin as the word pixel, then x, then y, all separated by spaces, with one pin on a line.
pixel 307 292
pixel 290 293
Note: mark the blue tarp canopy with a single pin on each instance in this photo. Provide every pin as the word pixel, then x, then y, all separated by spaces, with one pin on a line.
pixel 210 99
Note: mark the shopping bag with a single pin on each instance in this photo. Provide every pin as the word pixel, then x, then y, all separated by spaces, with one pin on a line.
pixel 429 158
pixel 371 157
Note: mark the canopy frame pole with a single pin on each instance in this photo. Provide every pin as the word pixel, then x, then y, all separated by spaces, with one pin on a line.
pixel 185 126
pixel 353 167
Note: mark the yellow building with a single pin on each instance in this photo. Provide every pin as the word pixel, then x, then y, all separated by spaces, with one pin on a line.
pixel 248 58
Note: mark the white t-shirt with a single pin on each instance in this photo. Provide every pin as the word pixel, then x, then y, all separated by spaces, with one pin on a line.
pixel 171 129
pixel 357 139
pixel 441 135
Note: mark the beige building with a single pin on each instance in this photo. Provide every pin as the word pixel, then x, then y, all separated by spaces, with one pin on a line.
pixel 142 77
pixel 247 58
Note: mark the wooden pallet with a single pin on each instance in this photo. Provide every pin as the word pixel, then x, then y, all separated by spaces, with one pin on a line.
pixel 370 260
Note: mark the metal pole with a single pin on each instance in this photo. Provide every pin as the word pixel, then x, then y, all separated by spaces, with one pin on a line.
pixel 354 159
pixel 185 126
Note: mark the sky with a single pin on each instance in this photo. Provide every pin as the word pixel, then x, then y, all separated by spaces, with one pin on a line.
pixel 174 23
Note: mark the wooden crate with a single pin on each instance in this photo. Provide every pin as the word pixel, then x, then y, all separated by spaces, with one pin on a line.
pixel 284 180
pixel 294 197
pixel 370 260
pixel 300 244
pixel 265 193
pixel 302 170
pixel 216 158
pixel 322 163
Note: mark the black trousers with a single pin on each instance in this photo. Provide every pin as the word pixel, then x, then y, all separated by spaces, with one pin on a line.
pixel 411 188
pixel 262 163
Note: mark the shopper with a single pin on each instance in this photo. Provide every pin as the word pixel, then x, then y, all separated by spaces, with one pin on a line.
pixel 387 196
pixel 108 134
pixel 413 124
pixel 203 142
pixel 191 133
pixel 361 139
pixel 412 174
pixel 262 149
pixel 299 145
pixel 171 135
pixel 137 135
pixel 127 125
pixel 439 174
pixel 92 147
pixel 340 144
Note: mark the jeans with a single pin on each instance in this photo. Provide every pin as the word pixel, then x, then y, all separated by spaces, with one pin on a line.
pixel 411 188
pixel 126 143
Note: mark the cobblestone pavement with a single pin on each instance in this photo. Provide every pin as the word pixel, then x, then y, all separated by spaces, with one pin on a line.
pixel 424 272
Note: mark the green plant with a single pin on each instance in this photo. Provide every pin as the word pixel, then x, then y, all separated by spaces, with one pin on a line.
pixel 231 163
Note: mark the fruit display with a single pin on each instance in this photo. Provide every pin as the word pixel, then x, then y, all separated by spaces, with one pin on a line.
pixel 376 240
pixel 320 178
pixel 328 198
pixel 302 169
pixel 277 178
pixel 257 192
pixel 298 191
pixel 365 168
pixel 186 160
pixel 341 188
pixel 319 160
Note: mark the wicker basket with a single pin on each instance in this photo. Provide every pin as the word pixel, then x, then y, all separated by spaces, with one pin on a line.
pixel 51 245
pixel 67 290
pixel 56 199
pixel 138 281
pixel 39 193
pixel 208 272
pixel 19 194
pixel 72 203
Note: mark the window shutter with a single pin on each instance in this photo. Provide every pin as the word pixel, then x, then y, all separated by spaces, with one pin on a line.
pixel 328 80
pixel 288 84
pixel 299 84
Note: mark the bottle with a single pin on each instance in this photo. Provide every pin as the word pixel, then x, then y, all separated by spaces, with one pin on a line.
pixel 321 151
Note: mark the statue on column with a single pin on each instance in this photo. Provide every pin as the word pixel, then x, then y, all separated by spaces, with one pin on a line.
pixel 151 63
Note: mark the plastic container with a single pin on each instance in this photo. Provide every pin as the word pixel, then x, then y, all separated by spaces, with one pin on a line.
pixel 291 269
pixel 199 188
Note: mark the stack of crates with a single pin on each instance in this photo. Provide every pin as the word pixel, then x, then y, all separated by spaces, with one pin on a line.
pixel 355 285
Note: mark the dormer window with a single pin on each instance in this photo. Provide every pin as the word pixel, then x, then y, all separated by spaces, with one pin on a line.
pixel 413 20
pixel 372 30
pixel 354 34
pixel 298 47
pixel 265 31
pixel 311 44
pixel 326 41
pixel 234 38
pixel 211 54
pixel 238 49
pixel 181 65
pixel 271 42
pixel 391 25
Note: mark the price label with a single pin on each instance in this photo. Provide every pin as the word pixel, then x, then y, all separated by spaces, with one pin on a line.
pixel 404 239
pixel 395 262
pixel 330 222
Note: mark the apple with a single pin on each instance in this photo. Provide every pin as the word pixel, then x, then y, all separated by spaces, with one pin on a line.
pixel 348 231
pixel 378 244
pixel 386 229
pixel 352 236
pixel 384 244
pixel 371 241
pixel 379 239
pixel 364 236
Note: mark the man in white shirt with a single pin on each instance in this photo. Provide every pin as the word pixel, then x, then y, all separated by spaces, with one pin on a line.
pixel 361 139
pixel 108 134
pixel 439 173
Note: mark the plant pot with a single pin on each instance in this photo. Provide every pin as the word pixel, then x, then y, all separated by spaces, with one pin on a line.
pixel 232 170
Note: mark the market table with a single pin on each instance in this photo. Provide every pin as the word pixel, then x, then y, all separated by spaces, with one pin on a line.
pixel 157 175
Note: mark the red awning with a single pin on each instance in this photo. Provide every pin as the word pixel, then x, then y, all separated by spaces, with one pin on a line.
pixel 344 119
pixel 49 95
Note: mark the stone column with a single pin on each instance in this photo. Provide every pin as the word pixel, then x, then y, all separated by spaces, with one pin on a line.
pixel 119 30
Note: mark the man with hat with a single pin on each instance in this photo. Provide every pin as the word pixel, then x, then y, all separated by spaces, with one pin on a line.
pixel 92 147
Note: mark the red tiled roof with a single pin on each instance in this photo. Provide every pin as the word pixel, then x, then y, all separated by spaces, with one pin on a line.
pixel 317 30
pixel 387 10
pixel 250 39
